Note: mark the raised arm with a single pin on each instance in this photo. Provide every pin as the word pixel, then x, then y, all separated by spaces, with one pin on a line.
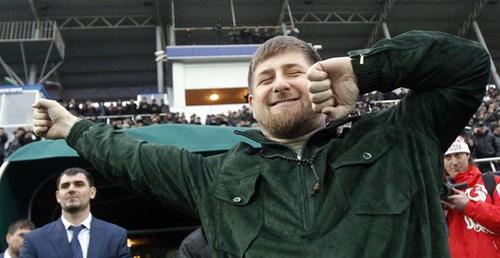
pixel 170 173
pixel 447 76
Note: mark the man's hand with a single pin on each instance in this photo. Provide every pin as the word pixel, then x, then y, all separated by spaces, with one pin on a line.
pixel 333 88
pixel 456 201
pixel 51 120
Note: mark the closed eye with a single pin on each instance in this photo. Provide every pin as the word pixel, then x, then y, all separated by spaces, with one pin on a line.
pixel 295 73
pixel 265 81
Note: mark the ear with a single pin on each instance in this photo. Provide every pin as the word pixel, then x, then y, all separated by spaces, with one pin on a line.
pixel 93 192
pixel 7 238
pixel 250 99
pixel 57 197
pixel 250 102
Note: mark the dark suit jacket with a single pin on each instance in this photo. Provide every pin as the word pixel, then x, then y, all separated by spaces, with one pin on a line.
pixel 1 255
pixel 50 241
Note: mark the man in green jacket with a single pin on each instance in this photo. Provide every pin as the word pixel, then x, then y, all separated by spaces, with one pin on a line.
pixel 308 192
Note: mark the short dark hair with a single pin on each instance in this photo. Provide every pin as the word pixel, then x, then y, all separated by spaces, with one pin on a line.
pixel 20 224
pixel 279 45
pixel 73 171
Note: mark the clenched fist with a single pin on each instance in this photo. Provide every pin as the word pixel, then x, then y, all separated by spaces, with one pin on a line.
pixel 51 120
pixel 333 88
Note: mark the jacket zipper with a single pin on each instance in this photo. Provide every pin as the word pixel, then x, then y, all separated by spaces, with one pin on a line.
pixel 306 214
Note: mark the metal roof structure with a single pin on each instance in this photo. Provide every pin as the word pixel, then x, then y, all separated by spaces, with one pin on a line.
pixel 110 44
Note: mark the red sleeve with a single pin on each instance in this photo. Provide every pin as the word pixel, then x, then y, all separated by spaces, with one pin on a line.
pixel 486 214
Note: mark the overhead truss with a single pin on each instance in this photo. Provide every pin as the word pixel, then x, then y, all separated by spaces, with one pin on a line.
pixel 105 22
pixel 466 24
pixel 381 18
pixel 335 17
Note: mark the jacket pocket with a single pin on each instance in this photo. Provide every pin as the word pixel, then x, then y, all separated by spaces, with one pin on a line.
pixel 375 176
pixel 239 213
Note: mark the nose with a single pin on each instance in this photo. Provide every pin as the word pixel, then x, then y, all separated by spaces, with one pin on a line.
pixel 280 84
pixel 71 188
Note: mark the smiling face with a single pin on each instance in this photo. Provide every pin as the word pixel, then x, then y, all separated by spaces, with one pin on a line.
pixel 280 100
pixel 456 163
pixel 74 193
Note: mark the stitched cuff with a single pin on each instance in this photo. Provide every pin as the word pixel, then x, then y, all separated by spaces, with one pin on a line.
pixel 368 74
pixel 77 130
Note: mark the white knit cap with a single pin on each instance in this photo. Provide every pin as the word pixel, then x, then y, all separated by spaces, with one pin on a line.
pixel 458 146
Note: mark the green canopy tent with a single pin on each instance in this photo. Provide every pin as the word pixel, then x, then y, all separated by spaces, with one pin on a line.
pixel 27 177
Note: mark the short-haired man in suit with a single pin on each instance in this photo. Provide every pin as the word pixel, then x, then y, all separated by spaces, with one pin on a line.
pixel 15 236
pixel 77 233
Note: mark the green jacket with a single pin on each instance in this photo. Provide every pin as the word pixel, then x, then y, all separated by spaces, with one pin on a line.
pixel 378 194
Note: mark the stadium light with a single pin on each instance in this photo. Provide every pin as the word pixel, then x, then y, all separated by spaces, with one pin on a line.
pixel 214 97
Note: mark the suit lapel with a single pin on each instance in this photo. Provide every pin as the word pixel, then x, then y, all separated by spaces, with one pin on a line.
pixel 96 238
pixel 59 240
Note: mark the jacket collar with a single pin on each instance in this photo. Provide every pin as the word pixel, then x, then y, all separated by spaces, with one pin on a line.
pixel 470 175
pixel 258 136
pixel 270 147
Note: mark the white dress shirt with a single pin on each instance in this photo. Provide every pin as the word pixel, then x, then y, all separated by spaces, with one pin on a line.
pixel 6 254
pixel 83 236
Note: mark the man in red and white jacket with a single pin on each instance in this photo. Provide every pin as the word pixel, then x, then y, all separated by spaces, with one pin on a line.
pixel 473 217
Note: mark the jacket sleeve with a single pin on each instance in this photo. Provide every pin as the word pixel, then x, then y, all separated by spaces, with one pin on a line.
pixel 447 76
pixel 171 174
pixel 486 214
pixel 28 250
pixel 123 250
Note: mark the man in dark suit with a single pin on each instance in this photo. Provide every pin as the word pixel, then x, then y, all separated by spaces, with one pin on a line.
pixel 77 233
pixel 15 236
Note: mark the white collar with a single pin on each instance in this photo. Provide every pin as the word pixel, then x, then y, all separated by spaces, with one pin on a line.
pixel 85 222
pixel 6 254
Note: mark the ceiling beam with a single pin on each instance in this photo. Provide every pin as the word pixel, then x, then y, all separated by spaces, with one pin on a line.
pixel 335 17
pixel 466 24
pixel 34 10
pixel 105 22
pixel 381 18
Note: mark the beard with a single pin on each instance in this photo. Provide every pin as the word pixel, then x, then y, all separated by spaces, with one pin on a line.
pixel 289 125
pixel 74 208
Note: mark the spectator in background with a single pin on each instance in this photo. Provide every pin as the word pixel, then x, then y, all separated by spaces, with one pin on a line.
pixel 120 109
pixel 15 237
pixel 164 108
pixel 73 107
pixel 246 36
pixel 189 37
pixel 143 106
pixel 293 32
pixel 88 109
pixel 257 38
pixel 3 139
pixel 76 233
pixel 473 215
pixel 234 36
pixel 483 145
pixel 496 133
pixel 155 119
pixel 16 143
pixel 131 107
pixel 102 110
pixel 220 38
pixel 154 108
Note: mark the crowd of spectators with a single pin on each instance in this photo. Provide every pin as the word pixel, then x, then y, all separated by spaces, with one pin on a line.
pixel 482 133
pixel 245 35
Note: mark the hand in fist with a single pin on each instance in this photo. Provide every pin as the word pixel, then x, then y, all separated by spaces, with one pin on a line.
pixel 333 88
pixel 51 120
